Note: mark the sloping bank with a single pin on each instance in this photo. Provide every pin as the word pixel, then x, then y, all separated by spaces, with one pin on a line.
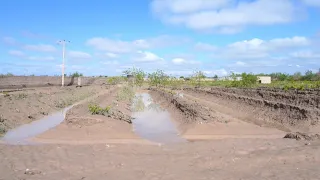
pixel 288 110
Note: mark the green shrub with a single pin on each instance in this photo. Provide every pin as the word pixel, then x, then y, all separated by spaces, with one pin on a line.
pixel 126 93
pixel 97 110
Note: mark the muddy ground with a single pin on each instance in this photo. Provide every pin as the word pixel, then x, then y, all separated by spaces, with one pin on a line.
pixel 228 138
pixel 26 105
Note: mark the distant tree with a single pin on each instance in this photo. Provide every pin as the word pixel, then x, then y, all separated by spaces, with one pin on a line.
pixel 181 77
pixel 215 76
pixel 297 76
pixel 76 74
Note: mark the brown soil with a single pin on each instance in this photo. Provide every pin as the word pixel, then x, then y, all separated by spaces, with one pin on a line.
pixel 248 159
pixel 239 143
pixel 292 111
pixel 81 127
pixel 201 119
pixel 27 105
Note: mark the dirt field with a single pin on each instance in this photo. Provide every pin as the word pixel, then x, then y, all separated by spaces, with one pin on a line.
pixel 229 136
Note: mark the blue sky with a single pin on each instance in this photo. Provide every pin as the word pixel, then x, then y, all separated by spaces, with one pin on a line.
pixel 177 36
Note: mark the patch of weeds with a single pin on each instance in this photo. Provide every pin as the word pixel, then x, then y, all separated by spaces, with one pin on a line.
pixel 3 127
pixel 126 94
pixel 6 94
pixel 97 110
pixel 21 96
pixel 138 104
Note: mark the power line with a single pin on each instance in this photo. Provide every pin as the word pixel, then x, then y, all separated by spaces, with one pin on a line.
pixel 63 43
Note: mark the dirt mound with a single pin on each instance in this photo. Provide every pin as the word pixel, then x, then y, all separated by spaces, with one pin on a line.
pixel 267 107
pixel 302 136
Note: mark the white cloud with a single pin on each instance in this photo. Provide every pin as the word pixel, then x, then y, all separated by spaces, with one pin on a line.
pixel 121 46
pixel 78 55
pixel 258 48
pixel 224 15
pixel 40 48
pixel 240 63
pixel 111 55
pixel 16 53
pixel 180 61
pixel 305 54
pixel 219 72
pixel 146 56
pixel 186 6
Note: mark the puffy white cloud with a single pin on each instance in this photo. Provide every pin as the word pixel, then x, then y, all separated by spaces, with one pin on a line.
pixel 226 16
pixel 40 48
pixel 180 61
pixel 257 48
pixel 121 46
pixel 16 53
pixel 78 55
pixel 146 57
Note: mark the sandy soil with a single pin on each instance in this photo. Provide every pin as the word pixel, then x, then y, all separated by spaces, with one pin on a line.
pixel 21 107
pixel 221 146
pixel 81 127
pixel 247 159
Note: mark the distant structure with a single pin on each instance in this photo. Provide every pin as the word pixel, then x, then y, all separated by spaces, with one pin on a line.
pixel 264 79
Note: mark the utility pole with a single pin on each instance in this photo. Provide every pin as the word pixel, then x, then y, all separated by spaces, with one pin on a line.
pixel 63 43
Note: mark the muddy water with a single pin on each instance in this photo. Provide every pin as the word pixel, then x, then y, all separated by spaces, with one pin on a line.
pixel 152 122
pixel 20 135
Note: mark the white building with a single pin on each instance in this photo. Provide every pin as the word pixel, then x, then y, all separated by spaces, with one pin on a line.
pixel 264 79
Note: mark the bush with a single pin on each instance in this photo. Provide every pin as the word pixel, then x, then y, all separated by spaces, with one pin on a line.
pixel 247 80
pixel 126 93
pixel 97 110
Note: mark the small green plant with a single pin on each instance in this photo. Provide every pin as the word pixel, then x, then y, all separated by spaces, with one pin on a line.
pixel 6 94
pixel 97 110
pixel 138 104
pixel 126 93
pixel 22 96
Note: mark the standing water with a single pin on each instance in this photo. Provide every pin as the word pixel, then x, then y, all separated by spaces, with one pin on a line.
pixel 152 122
pixel 21 134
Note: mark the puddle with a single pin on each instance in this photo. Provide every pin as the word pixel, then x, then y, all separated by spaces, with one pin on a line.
pixel 152 122
pixel 20 135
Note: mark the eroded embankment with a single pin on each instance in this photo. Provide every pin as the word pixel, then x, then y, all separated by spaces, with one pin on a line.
pixel 189 112
pixel 294 110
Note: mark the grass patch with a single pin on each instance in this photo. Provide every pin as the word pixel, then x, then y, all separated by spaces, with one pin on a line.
pixel 126 93
pixel 138 104
pixel 97 110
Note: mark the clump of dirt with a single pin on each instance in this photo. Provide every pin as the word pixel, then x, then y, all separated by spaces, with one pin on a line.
pixel 302 136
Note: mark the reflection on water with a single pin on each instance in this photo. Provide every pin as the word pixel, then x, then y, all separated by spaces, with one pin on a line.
pixel 153 122
pixel 21 134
